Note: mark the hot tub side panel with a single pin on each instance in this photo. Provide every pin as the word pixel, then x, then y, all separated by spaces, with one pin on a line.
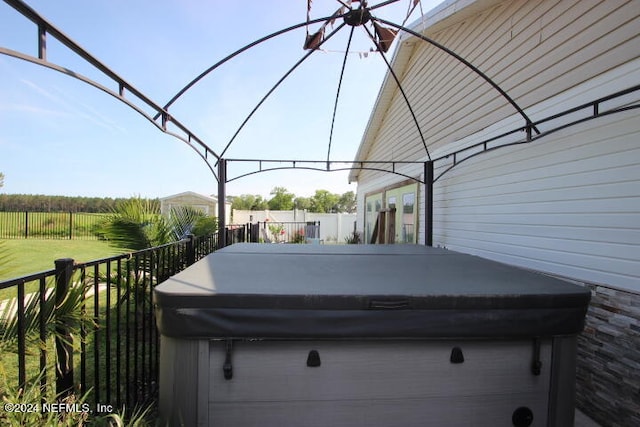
pixel 378 383
pixel 184 379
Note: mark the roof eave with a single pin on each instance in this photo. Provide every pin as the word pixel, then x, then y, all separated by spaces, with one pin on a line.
pixel 446 13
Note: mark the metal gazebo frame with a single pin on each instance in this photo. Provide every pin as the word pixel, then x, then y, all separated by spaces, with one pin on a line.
pixel 352 18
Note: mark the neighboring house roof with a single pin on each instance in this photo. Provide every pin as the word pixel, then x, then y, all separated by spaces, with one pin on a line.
pixel 445 14
pixel 208 199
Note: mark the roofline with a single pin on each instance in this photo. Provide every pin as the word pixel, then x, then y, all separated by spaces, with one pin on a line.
pixel 446 13
pixel 190 193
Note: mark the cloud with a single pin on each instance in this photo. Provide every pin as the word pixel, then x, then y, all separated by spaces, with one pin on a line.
pixel 31 109
pixel 70 107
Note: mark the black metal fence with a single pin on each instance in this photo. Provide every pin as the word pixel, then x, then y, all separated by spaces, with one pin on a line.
pixel 86 226
pixel 50 225
pixel 89 328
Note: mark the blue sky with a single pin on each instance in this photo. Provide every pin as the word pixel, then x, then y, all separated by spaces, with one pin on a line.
pixel 60 136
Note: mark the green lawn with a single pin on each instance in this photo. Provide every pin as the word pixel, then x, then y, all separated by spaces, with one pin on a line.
pixel 32 255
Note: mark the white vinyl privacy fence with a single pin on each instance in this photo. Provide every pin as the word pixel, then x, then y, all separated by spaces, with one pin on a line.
pixel 334 227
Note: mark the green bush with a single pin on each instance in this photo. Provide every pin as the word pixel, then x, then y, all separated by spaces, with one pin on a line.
pixel 205 226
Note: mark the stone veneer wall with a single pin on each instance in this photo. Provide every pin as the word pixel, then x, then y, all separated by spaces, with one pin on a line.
pixel 608 365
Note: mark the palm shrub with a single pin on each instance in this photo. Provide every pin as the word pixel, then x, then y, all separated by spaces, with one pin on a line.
pixel 185 220
pixel 136 224
pixel 30 396
pixel 5 257
pixel 353 238
pixel 67 315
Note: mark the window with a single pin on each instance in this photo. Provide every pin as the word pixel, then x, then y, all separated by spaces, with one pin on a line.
pixel 391 202
pixel 408 218
pixel 374 205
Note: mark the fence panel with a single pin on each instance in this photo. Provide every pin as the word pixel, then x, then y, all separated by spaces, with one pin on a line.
pixel 91 326
pixel 50 225
pixel 13 225
pixel 288 232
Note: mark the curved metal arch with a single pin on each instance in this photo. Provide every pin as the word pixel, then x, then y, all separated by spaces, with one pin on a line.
pixel 45 27
pixel 118 96
pixel 335 105
pixel 593 105
pixel 323 170
pixel 529 122
pixel 278 83
pixel 404 95
pixel 239 51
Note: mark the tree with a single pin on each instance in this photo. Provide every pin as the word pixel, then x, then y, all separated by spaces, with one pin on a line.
pixel 347 202
pixel 248 202
pixel 301 203
pixel 1 179
pixel 39 203
pixel 324 201
pixel 282 200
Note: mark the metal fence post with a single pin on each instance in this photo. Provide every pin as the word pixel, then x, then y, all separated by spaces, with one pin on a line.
pixel 191 249
pixel 63 339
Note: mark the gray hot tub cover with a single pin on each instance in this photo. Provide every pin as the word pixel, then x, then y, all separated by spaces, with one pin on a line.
pixel 363 291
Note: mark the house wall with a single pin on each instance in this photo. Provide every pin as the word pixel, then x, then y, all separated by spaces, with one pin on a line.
pixel 608 362
pixel 567 204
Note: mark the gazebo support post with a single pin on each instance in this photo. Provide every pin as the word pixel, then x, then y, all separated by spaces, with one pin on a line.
pixel 222 195
pixel 428 202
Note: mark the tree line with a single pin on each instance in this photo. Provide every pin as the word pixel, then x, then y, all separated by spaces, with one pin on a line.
pixel 322 201
pixel 281 199
pixel 44 203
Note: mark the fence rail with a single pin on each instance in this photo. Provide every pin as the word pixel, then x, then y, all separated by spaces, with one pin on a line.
pixel 90 327
pixel 50 225
pixel 86 226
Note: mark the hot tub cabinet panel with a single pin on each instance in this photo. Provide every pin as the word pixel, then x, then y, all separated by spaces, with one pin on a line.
pixel 316 336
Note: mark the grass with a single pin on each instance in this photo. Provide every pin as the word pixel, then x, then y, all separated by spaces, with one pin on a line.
pixel 29 256
pixel 32 256
pixel 9 359
pixel 48 225
pixel 9 374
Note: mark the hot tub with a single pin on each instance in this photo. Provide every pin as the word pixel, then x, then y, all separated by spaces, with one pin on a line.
pixel 365 335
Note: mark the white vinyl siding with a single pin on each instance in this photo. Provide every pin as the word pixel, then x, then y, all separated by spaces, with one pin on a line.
pixel 532 50
pixel 567 204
